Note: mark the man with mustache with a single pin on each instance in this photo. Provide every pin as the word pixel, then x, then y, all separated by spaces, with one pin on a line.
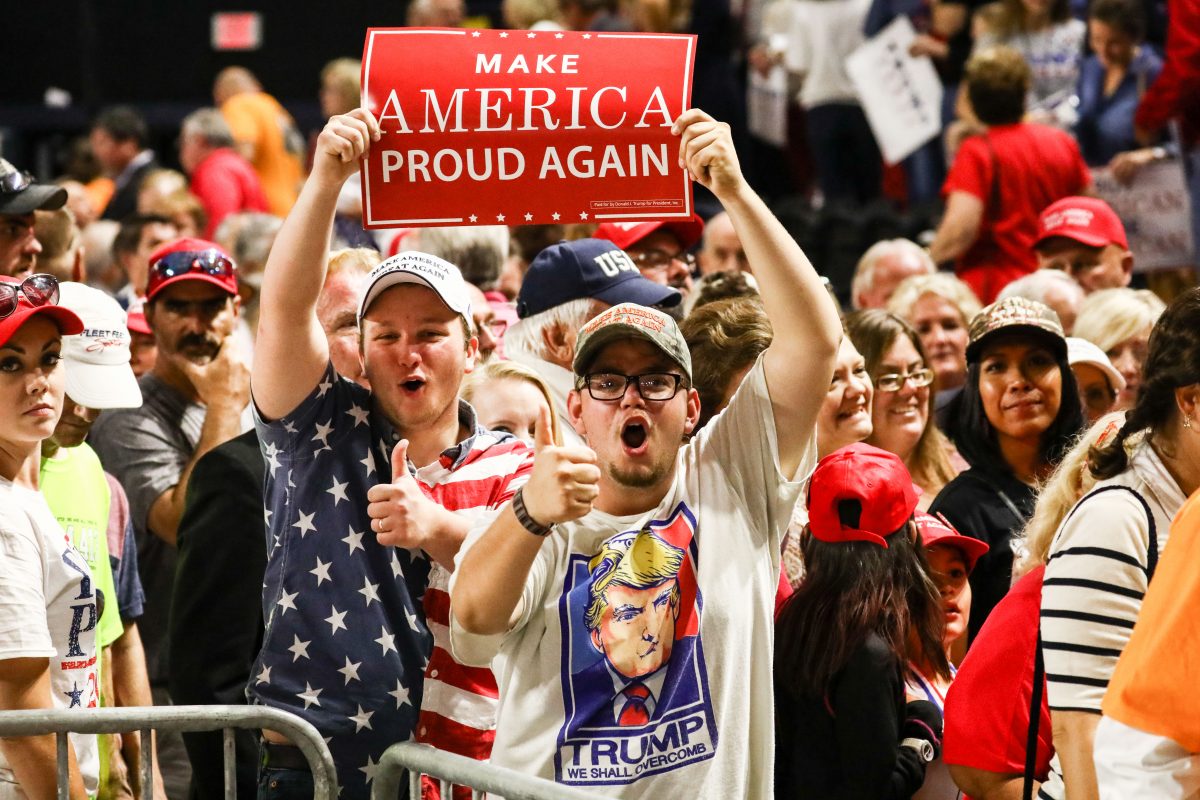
pixel 196 397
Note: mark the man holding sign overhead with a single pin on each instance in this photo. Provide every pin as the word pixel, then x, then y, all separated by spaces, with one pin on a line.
pixel 627 591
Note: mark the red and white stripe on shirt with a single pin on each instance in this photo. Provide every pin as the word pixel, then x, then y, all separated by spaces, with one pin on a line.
pixel 458 706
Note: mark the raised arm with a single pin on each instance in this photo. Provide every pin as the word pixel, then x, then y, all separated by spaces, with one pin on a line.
pixel 291 351
pixel 805 321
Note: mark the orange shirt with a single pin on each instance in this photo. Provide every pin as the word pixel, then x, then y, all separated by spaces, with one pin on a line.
pixel 257 119
pixel 1154 686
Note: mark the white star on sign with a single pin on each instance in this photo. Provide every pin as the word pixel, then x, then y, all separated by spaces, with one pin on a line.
pixel 368 591
pixel 474 34
pixel 499 218
pixel 528 216
pixel 473 218
pixel 338 490
pixel 412 620
pixel 305 523
pixel 354 540
pixel 401 695
pixel 504 35
pixel 362 719
pixel 287 601
pixel 369 461
pixel 587 36
pixel 265 675
pixel 299 648
pixel 583 215
pixel 350 670
pixel 386 640
pixel 335 620
pixel 558 36
pixel 360 415
pixel 310 695
pixel 321 571
pixel 531 34
pixel 322 434
pixel 555 216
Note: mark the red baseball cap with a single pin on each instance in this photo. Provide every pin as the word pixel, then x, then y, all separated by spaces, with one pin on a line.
pixel 1087 220
pixel 877 479
pixel 938 531
pixel 190 260
pixel 624 234
pixel 68 321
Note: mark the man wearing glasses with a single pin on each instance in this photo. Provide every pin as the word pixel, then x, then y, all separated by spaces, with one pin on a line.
pixel 660 249
pixel 195 398
pixel 681 540
pixel 20 196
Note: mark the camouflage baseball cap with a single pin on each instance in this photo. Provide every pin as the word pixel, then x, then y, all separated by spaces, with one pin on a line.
pixel 629 320
pixel 1013 315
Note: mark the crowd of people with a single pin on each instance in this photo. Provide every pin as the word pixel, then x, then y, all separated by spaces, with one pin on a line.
pixel 635 507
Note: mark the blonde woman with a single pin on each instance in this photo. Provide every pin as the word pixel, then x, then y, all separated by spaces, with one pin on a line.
pixel 510 397
pixel 939 306
pixel 1118 321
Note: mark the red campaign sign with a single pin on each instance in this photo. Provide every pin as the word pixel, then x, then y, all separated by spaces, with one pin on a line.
pixel 484 127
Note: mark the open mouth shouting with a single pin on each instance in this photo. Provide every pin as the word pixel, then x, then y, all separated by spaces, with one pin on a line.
pixel 412 386
pixel 634 435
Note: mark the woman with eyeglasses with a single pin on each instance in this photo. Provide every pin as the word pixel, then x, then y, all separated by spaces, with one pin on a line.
pixel 49 605
pixel 902 410
pixel 1018 414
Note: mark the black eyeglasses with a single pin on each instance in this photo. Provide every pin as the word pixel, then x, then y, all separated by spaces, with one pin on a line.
pixel 39 289
pixel 658 259
pixel 609 386
pixel 181 262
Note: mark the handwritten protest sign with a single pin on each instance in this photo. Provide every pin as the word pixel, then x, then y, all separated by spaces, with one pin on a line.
pixel 901 95
pixel 1156 213
pixel 484 127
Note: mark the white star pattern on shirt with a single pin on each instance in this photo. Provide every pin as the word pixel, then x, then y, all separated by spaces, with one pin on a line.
pixel 360 415
pixel 338 490
pixel 322 434
pixel 372 768
pixel 369 462
pixel 350 670
pixel 272 460
pixel 401 695
pixel 397 570
pixel 264 676
pixel 321 571
pixel 267 516
pixel 324 386
pixel 335 620
pixel 310 695
pixel 299 649
pixel 412 620
pixel 305 523
pixel 386 640
pixel 354 540
pixel 362 719
pixel 369 591
pixel 287 601
pixel 289 427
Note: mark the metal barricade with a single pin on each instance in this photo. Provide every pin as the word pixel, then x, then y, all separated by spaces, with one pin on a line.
pixel 451 769
pixel 185 719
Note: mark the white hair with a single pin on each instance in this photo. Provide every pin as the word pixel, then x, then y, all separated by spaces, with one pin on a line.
pixel 1037 286
pixel 864 272
pixel 478 252
pixel 1110 316
pixel 526 338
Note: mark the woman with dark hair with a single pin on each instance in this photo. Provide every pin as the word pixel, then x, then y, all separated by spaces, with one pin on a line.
pixel 1104 553
pixel 843 642
pixel 1017 415
pixel 1002 178
pixel 903 406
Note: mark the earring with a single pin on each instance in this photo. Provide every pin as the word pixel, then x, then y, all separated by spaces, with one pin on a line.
pixel 1187 423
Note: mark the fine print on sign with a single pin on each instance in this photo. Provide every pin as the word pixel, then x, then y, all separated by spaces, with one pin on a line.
pixel 1156 211
pixel 486 127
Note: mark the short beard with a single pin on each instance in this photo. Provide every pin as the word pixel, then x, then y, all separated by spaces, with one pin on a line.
pixel 639 479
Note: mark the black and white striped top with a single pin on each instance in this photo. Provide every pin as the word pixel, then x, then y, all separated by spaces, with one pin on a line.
pixel 1095 581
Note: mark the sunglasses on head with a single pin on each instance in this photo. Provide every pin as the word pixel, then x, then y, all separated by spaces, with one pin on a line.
pixel 181 262
pixel 13 180
pixel 39 290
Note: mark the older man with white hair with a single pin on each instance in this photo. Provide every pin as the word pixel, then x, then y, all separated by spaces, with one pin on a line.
pixel 883 267
pixel 1051 287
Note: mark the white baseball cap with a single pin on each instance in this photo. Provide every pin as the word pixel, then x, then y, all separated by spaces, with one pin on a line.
pixel 1081 351
pixel 423 270
pixel 97 360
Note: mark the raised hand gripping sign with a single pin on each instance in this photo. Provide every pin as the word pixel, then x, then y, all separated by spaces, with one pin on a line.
pixel 484 127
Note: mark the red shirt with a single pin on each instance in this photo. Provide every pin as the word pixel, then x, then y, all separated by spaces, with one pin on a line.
pixel 1016 171
pixel 987 707
pixel 1176 93
pixel 225 183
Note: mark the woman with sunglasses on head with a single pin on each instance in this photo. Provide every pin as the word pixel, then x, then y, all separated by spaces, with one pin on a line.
pixel 48 602
pixel 1018 413
pixel 1103 556
pixel 902 409
pixel 844 642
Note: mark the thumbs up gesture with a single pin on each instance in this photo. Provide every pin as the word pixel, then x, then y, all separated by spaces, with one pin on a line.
pixel 402 515
pixel 565 480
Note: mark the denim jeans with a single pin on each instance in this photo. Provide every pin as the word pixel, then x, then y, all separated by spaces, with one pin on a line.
pixel 284 784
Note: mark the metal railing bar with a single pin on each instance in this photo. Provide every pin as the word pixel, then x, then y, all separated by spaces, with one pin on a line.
pixel 63 762
pixel 146 764
pixel 229 764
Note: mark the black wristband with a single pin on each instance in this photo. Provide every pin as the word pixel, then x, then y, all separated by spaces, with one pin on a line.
pixel 528 522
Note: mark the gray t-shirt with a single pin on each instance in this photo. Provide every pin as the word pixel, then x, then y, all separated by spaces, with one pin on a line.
pixel 146 449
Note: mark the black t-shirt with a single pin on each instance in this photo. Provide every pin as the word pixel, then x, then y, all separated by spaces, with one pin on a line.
pixel 847 744
pixel 974 502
